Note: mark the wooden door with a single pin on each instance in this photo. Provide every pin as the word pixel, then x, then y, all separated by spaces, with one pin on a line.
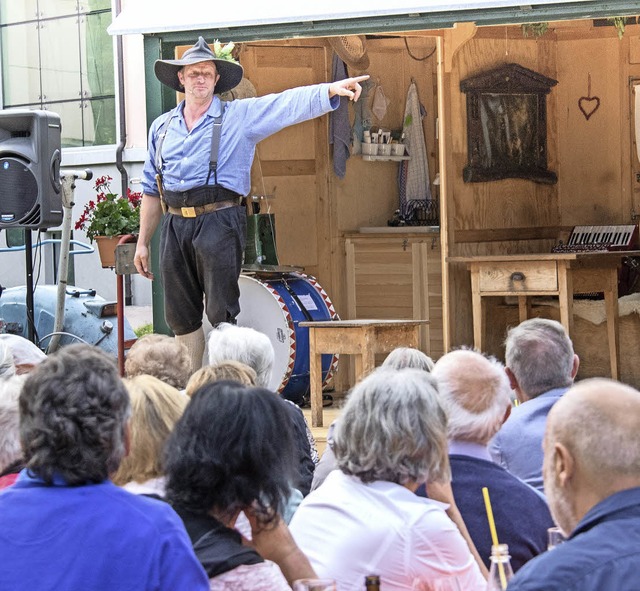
pixel 292 164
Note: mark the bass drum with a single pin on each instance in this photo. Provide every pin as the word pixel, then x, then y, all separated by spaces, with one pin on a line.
pixel 275 305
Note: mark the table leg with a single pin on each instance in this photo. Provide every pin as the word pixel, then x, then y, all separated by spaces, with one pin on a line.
pixel 611 307
pixel 565 298
pixel 368 363
pixel 477 309
pixel 523 307
pixel 315 381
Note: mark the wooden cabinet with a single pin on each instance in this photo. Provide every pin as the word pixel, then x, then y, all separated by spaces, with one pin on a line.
pixel 397 274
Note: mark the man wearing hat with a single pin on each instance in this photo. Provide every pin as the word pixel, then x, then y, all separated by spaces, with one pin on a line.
pixel 197 170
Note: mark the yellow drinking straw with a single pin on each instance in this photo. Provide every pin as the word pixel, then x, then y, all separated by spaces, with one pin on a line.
pixel 494 533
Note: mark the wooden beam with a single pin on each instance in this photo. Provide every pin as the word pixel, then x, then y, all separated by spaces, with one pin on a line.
pixel 288 167
pixel 506 234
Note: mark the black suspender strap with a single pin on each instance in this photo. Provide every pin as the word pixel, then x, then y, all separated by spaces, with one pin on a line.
pixel 161 135
pixel 215 145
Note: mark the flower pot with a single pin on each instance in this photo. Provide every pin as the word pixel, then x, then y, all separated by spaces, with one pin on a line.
pixel 107 250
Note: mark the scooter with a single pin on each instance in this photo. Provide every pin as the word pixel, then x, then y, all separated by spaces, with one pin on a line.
pixel 58 315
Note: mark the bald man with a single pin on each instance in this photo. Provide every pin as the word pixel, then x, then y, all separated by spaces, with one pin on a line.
pixel 474 391
pixel 592 479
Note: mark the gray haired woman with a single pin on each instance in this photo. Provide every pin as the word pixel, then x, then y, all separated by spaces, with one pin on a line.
pixel 365 519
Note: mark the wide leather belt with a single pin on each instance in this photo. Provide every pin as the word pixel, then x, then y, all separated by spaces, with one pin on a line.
pixel 198 196
pixel 192 212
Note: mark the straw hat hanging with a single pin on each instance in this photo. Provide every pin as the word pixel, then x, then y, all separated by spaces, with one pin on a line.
pixel 352 50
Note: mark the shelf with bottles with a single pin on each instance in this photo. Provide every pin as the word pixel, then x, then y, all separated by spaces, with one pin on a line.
pixel 369 157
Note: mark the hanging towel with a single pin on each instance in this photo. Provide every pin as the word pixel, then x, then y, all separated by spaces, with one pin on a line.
pixel 339 126
pixel 363 116
pixel 414 175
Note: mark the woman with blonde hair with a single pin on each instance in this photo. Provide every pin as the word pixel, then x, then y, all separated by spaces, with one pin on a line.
pixel 155 409
pixel 225 370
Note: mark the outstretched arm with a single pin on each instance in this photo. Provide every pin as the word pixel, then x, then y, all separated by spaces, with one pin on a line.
pixel 348 87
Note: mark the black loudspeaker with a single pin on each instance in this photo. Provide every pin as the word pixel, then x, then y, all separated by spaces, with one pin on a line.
pixel 30 153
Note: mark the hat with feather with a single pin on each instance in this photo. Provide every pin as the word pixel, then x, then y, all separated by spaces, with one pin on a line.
pixel 230 70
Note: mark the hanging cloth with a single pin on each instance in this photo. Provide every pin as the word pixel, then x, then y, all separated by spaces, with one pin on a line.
pixel 413 182
pixel 339 126
pixel 363 117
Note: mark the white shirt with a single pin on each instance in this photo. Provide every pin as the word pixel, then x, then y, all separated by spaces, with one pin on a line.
pixel 349 529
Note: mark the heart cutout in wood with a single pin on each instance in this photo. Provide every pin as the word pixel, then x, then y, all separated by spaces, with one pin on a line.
pixel 588 105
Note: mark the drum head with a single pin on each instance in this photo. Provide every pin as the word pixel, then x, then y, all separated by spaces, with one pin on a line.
pixel 275 306
pixel 262 309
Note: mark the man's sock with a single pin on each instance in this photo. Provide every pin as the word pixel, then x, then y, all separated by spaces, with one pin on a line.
pixel 194 342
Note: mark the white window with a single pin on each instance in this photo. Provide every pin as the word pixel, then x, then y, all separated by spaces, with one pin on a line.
pixel 57 55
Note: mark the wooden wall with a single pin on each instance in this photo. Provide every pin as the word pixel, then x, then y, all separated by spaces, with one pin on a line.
pixel 313 207
pixel 591 157
pixel 594 159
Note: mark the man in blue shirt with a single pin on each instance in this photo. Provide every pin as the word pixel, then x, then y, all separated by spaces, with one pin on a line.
pixel 592 480
pixel 198 168
pixel 64 526
pixel 541 365
pixel 474 390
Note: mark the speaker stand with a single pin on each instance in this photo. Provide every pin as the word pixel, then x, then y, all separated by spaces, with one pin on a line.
pixel 29 268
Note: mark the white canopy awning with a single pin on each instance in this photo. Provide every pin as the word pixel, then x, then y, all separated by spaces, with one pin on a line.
pixel 161 16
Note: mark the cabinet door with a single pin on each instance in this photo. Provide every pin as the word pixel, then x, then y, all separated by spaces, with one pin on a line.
pixel 398 278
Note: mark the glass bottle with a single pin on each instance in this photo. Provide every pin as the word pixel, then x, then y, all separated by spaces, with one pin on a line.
pixel 500 572
pixel 372 583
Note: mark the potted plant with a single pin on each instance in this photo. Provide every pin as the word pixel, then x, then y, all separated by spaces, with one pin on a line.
pixel 109 217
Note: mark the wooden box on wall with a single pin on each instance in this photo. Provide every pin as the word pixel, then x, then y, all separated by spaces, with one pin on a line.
pixel 397 274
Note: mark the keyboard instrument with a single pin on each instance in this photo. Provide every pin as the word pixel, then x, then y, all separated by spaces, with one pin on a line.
pixel 600 238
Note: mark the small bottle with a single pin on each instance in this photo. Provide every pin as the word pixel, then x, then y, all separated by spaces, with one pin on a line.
pixel 372 583
pixel 500 572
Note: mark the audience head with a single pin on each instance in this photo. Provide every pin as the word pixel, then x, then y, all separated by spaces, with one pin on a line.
pixel 10 450
pixel 227 370
pixel 393 428
pixel 408 357
pixel 474 391
pixel 155 409
pixel 160 356
pixel 539 357
pixel 591 448
pixel 25 354
pixel 7 366
pixel 228 342
pixel 231 451
pixel 73 414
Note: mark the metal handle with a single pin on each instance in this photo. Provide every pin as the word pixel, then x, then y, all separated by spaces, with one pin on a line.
pixel 517 276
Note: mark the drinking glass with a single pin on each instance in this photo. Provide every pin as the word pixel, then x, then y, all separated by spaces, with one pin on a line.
pixel 554 537
pixel 314 585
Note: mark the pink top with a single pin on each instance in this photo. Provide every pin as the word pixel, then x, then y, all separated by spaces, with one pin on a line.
pixel 8 480
pixel 264 576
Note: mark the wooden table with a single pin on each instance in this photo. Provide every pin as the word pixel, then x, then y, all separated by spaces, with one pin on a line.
pixel 547 274
pixel 362 338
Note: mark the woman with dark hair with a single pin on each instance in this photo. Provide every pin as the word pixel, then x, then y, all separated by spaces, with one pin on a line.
pixel 232 452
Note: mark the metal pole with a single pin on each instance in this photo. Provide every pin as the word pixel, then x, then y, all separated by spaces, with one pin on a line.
pixel 120 305
pixel 29 268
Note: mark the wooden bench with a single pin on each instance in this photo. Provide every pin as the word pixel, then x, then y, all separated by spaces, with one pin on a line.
pixel 362 338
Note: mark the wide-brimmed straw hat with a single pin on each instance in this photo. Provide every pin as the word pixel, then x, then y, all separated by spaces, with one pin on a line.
pixel 352 50
pixel 230 71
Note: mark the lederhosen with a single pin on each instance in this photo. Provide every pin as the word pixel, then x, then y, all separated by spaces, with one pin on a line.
pixel 201 246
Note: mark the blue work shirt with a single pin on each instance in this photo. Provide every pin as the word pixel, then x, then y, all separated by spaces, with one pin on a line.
pixel 246 122
pixel 602 554
pixel 92 538
pixel 517 447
